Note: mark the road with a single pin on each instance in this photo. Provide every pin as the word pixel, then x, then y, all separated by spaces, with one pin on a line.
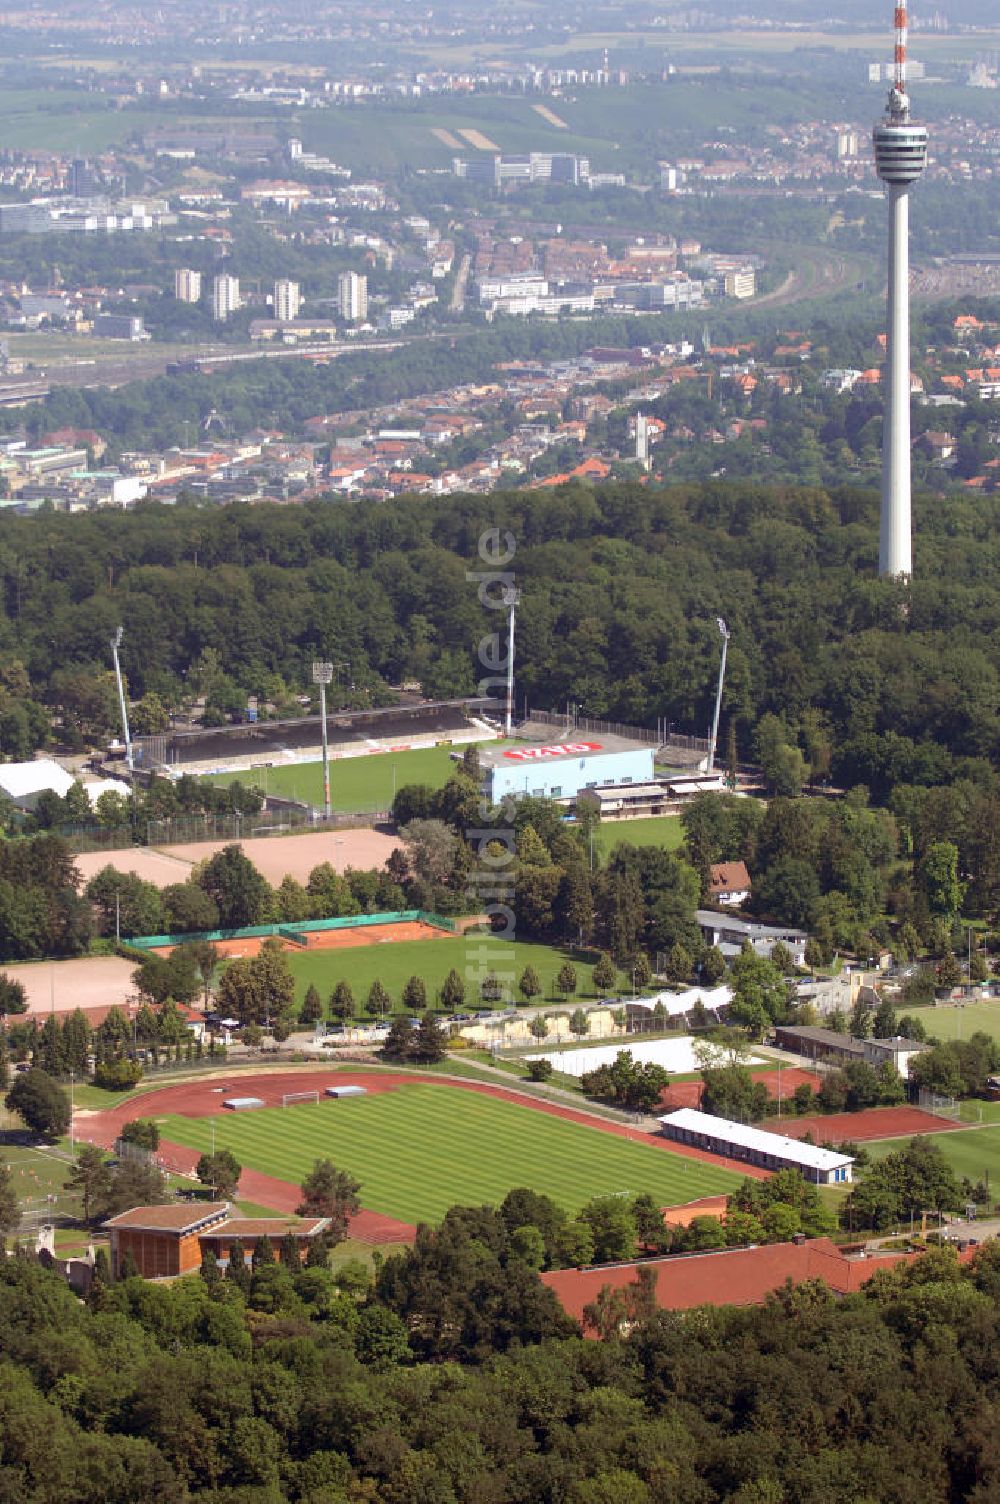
pixel 461 283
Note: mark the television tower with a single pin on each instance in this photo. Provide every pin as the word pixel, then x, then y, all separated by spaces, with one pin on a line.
pixel 900 157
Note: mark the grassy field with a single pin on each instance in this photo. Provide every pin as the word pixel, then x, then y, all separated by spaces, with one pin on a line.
pixel 38 1175
pixel 974 1152
pixel 356 783
pixel 421 1149
pixel 960 1022
pixel 661 830
pixel 432 960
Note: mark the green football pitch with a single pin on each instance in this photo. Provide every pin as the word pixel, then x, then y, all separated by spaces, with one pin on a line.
pixel 958 1022
pixel 356 783
pixel 432 960
pixel 420 1149
pixel 659 830
pixel 974 1152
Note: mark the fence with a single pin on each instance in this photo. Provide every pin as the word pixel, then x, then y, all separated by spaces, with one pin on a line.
pixel 940 1106
pixel 182 830
pixel 295 929
pixel 661 737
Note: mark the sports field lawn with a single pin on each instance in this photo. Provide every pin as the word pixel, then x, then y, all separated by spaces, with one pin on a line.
pixel 356 783
pixel 974 1152
pixel 959 1022
pixel 660 830
pixel 432 960
pixel 420 1149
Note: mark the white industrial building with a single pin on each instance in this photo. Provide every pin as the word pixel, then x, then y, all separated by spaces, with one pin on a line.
pixel 755 1146
pixel 562 770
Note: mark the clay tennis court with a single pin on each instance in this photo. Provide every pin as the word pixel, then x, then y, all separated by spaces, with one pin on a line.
pixel 876 1122
pixel 688 1093
pixel 345 939
pixel 275 857
pixel 87 982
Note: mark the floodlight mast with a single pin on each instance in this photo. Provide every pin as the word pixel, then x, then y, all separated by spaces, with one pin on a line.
pixel 322 674
pixel 116 643
pixel 511 599
pixel 725 633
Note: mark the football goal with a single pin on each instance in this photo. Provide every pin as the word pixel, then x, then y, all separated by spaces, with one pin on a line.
pixel 296 1098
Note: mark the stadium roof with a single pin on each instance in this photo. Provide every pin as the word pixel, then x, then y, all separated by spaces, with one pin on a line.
pixel 571 745
pixel 20 780
pixel 758 1140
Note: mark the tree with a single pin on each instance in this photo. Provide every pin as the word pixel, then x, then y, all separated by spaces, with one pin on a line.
pixel 188 909
pixel 679 964
pixel 333 1193
pixel 566 979
pixel 713 966
pixel 539 1070
pixel 206 961
pixel 41 1103
pixel 729 1091
pixel 13 997
pixel 221 1172
pixel 378 1002
pixel 312 1006
pixel 604 975
pixel 936 877
pixel 528 984
pixel 90 1177
pixel 143 1132
pixel 240 893
pixel 452 992
pixel 10 1210
pixel 579 1023
pixel 431 1043
pixel 612 1223
pixel 399 1042
pixel 642 972
pixel 538 1027
pixel 415 994
pixel 342 1001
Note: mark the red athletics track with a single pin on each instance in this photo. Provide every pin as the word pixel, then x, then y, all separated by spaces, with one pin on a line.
pixel 873 1123
pixel 204 1097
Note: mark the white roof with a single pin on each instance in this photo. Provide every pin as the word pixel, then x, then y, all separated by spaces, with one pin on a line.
pixel 683 1002
pixel 19 780
pixel 757 1139
pixel 100 786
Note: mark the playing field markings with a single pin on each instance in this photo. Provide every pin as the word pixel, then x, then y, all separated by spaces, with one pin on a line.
pixel 446 138
pixel 550 116
pixel 478 140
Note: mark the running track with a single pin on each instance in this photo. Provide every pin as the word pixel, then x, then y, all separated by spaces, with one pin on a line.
pixel 204 1098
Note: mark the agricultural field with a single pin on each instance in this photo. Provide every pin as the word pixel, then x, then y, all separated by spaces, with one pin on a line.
pixel 974 1152
pixel 418 1150
pixel 660 830
pixel 356 783
pixel 432 960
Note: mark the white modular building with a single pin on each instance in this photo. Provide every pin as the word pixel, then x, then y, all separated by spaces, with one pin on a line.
pixel 755 1146
pixel 561 770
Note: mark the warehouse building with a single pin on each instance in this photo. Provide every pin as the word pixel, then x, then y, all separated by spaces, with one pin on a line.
pixel 755 1146
pixel 562 770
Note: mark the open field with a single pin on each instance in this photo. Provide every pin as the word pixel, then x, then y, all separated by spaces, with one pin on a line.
pixel 394 964
pixel 661 830
pixel 419 1149
pixel 960 1021
pixel 356 783
pixel 974 1152
pixel 38 1175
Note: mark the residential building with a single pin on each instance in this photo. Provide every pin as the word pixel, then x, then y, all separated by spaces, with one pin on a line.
pixel 287 300
pixel 225 296
pixel 741 284
pixel 729 883
pixel 352 290
pixel 187 285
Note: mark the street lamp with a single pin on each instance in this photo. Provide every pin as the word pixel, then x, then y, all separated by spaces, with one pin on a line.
pixel 116 643
pixel 322 674
pixel 725 633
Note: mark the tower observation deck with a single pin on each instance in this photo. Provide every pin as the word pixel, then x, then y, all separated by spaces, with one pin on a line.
pixel 900 146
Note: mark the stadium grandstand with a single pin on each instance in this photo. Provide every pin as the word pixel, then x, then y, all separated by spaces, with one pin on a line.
pixel 395 728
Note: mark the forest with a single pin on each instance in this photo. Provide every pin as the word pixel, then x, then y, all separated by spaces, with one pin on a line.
pixel 455 1377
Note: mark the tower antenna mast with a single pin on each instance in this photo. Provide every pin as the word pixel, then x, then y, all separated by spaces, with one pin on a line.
pixel 900 157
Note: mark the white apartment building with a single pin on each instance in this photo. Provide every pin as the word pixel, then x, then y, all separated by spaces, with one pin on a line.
pixel 287 300
pixel 187 285
pixel 352 290
pixel 225 296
